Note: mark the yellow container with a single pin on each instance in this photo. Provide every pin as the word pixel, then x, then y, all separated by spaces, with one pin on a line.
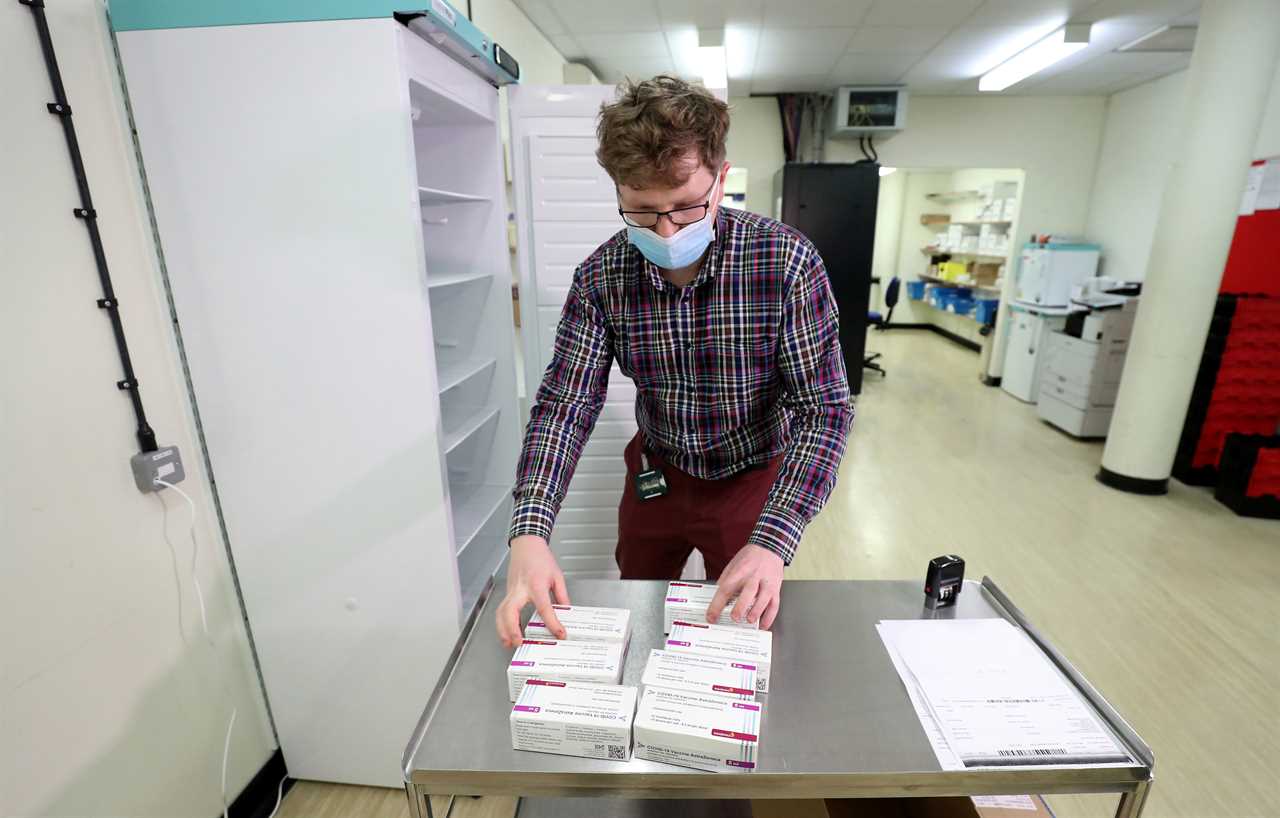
pixel 952 270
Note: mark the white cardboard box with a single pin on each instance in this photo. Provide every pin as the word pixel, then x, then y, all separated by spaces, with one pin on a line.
pixel 689 601
pixel 707 675
pixel 589 662
pixel 584 624
pixel 730 644
pixel 704 732
pixel 574 719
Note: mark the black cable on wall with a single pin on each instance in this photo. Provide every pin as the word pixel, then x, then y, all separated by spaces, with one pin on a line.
pixel 89 217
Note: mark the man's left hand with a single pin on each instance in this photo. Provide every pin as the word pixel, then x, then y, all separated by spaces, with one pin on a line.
pixel 754 576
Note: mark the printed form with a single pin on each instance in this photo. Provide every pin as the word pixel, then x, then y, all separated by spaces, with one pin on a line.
pixel 988 695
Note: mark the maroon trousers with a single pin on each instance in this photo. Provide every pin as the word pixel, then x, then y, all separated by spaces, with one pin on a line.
pixel 656 536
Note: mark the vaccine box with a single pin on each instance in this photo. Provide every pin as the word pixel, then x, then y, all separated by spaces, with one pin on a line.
pixel 730 644
pixel 689 601
pixel 584 624
pixel 701 674
pixel 574 719
pixel 565 661
pixel 692 730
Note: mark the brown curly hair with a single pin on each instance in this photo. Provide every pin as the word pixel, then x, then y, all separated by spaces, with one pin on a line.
pixel 646 134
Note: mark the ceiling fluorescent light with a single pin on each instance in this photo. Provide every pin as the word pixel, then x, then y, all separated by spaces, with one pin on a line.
pixel 885 170
pixel 1057 46
pixel 712 66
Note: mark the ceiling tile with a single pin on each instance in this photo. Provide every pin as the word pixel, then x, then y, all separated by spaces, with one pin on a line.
pixel 937 87
pixel 594 16
pixel 919 12
pixel 974 50
pixel 541 15
pixel 1074 83
pixel 803 63
pixel 682 45
pixel 637 68
pixel 1162 10
pixel 800 41
pixel 709 13
pixel 634 44
pixel 567 45
pixel 798 83
pixel 896 39
pixel 1027 12
pixel 740 42
pixel 871 69
pixel 815 12
pixel 937 67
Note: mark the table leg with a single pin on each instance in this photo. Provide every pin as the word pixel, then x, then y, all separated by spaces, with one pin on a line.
pixel 1131 803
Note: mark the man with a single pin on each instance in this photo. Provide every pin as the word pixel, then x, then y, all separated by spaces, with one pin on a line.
pixel 726 323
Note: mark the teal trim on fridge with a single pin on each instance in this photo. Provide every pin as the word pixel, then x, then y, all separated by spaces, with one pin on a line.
pixel 139 15
pixel 470 42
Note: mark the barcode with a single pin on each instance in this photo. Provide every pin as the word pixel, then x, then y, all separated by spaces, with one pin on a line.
pixel 1038 751
pixel 617 751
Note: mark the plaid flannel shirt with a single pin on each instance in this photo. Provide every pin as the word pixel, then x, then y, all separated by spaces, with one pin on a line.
pixel 741 365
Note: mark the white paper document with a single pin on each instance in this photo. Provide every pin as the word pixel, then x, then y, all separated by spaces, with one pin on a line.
pixel 1252 186
pixel 994 697
pixel 1023 802
pixel 1269 188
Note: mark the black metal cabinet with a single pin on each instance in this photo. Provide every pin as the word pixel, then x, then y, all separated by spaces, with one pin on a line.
pixel 834 204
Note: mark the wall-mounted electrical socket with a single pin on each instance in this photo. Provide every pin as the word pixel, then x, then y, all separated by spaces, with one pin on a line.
pixel 162 464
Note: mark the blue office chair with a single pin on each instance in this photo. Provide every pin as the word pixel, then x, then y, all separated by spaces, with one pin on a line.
pixel 880 321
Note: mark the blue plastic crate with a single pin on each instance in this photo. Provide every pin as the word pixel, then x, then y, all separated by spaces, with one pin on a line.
pixel 985 310
pixel 961 306
pixel 915 290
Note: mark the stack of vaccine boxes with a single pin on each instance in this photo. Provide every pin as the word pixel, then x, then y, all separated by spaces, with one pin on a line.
pixel 698 706
pixel 688 601
pixel 568 694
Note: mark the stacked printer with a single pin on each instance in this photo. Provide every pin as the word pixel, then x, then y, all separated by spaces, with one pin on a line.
pixel 1082 362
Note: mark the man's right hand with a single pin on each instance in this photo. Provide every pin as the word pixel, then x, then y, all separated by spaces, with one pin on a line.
pixel 533 577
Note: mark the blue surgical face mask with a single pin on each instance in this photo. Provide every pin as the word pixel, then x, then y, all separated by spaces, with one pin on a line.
pixel 682 248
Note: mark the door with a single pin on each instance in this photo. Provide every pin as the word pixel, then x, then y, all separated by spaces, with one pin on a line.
pixel 1020 359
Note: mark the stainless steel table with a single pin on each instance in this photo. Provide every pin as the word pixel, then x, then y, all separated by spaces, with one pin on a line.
pixel 838 721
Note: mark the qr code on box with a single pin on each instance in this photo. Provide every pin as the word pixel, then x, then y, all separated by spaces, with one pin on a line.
pixel 618 751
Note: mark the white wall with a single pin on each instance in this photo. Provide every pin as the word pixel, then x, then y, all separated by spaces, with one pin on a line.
pixel 755 143
pixel 507 25
pixel 884 254
pixel 1053 139
pixel 1142 132
pixel 106 710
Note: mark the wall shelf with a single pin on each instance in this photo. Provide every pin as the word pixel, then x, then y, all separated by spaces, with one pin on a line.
pixel 473 506
pixel 438 196
pixel 954 196
pixel 942 282
pixel 938 251
pixel 980 222
pixel 453 440
pixel 453 375
pixel 455 279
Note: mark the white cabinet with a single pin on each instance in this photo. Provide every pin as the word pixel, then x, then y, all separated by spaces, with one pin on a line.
pixel 1021 376
pixel 329 199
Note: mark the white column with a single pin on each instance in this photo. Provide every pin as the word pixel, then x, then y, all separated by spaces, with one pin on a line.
pixel 1231 73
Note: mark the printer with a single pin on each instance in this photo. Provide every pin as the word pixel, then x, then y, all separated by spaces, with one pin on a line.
pixel 1084 360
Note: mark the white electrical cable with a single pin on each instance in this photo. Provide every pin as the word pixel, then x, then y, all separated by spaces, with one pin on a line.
pixel 173 553
pixel 279 797
pixel 204 623
pixel 195 554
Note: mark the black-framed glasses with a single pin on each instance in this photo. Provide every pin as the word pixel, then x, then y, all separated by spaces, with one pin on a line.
pixel 680 217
